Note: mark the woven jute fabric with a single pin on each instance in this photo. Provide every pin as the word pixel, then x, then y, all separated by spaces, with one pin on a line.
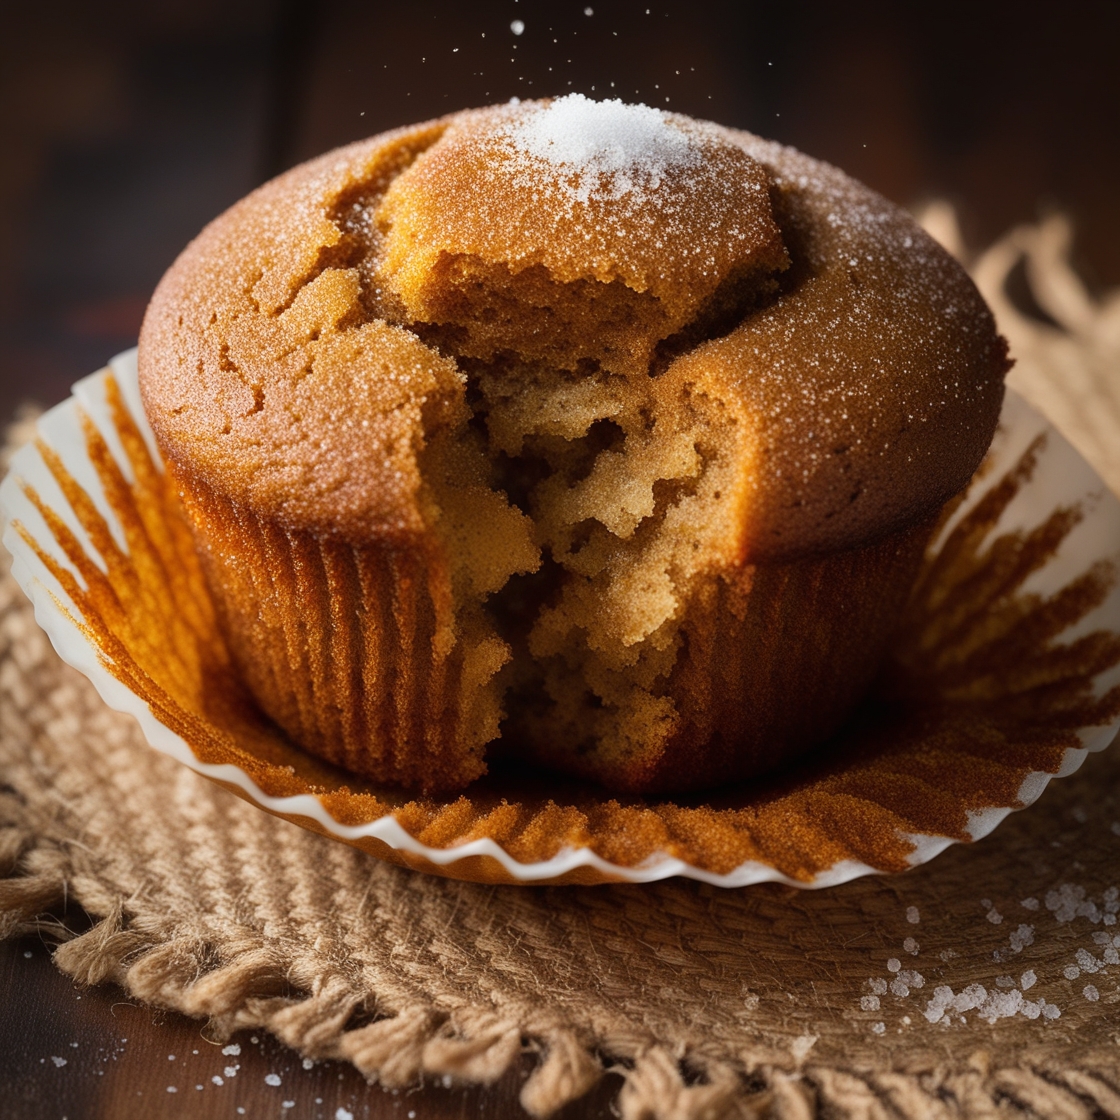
pixel 986 982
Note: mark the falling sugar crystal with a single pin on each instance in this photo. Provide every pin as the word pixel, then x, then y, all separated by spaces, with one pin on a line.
pixel 973 996
pixel 990 1006
pixel 801 1046
pixel 1068 902
pixel 910 978
pixel 1001 1005
pixel 1088 962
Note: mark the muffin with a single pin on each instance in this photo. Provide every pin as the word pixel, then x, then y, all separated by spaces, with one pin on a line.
pixel 571 432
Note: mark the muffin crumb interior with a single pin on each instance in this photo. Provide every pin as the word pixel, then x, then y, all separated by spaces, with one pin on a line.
pixel 574 412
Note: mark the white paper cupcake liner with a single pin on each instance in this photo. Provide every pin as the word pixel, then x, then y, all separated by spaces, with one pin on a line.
pixel 479 842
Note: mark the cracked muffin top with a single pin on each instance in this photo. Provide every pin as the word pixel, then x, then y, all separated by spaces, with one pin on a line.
pixel 305 349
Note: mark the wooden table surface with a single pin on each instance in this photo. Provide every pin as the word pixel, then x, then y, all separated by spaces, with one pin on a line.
pixel 70 1053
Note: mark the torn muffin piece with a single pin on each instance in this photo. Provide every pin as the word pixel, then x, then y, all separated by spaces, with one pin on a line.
pixel 580 232
pixel 567 430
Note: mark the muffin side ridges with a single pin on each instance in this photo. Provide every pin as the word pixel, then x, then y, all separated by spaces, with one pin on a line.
pixel 295 420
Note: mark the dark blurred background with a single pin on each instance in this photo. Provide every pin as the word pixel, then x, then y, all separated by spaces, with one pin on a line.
pixel 126 125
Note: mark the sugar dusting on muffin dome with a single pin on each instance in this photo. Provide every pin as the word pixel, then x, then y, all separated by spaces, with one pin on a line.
pixel 610 431
pixel 616 223
pixel 604 147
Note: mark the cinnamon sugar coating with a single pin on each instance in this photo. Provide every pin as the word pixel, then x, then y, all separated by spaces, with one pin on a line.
pixel 510 423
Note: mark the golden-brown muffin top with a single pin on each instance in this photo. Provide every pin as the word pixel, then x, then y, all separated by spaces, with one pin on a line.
pixel 615 196
pixel 312 340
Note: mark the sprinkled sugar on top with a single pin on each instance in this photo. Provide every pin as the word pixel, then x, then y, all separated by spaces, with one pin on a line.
pixel 603 146
pixel 868 369
pixel 588 191
pixel 526 204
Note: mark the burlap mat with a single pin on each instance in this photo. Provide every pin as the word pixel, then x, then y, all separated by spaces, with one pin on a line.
pixel 982 983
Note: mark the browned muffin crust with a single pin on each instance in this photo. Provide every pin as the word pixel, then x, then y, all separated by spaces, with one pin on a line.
pixel 562 417
pixel 874 379
pixel 476 234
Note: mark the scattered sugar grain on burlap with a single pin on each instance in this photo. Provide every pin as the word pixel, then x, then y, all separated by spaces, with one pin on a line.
pixel 896 995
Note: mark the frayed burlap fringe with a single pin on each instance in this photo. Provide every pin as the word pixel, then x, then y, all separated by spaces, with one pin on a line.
pixel 706 1003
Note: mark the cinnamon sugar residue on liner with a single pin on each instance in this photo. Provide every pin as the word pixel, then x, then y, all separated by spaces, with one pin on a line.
pixel 977 694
